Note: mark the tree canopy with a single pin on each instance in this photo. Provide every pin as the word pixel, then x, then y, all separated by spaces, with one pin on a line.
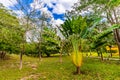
pixel 10 31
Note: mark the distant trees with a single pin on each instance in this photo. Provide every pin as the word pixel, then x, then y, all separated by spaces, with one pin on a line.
pixel 49 45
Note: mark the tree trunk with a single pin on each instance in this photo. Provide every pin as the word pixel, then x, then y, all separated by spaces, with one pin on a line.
pixel 2 54
pixel 98 53
pixel 101 56
pixel 90 54
pixel 78 70
pixel 60 57
pixel 21 55
pixel 110 52
pixel 117 38
pixel 61 50
pixel 21 60
pixel 39 52
pixel 40 56
pixel 119 51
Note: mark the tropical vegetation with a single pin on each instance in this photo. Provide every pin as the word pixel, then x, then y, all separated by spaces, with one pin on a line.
pixel 78 43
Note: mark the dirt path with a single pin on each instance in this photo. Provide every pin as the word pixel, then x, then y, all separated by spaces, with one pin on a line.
pixel 32 76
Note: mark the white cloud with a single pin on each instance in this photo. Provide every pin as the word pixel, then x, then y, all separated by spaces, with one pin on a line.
pixel 67 3
pixel 56 22
pixel 61 5
pixel 59 9
pixel 8 3
pixel 37 4
pixel 50 1
pixel 19 13
pixel 50 5
pixel 59 21
pixel 46 12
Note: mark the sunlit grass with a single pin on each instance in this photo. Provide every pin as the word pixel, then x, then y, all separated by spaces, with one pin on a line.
pixel 52 69
pixel 94 54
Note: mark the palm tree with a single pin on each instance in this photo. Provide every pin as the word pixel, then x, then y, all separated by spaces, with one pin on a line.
pixel 75 29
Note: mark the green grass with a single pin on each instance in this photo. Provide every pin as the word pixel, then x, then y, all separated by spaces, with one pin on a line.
pixel 51 69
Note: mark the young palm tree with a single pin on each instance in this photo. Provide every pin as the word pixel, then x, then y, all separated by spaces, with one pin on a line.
pixel 75 29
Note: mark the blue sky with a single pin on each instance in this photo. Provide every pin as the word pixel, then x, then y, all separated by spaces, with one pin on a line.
pixel 54 8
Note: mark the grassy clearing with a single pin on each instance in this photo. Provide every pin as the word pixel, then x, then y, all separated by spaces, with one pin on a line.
pixel 51 69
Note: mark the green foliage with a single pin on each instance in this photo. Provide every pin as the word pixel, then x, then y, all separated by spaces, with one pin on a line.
pixel 83 28
pixel 10 31
pixel 114 3
pixel 106 32
pixel 73 29
pixel 99 38
pixel 50 41
pixel 74 25
pixel 7 19
pixel 30 49
pixel 66 47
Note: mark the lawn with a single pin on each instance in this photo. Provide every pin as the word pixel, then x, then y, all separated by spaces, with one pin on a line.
pixel 51 69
